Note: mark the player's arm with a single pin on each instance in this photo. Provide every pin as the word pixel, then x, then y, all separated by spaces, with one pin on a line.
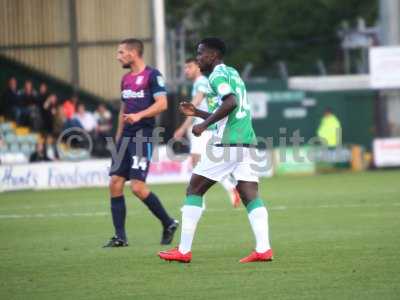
pixel 180 132
pixel 223 89
pixel 120 122
pixel 189 110
pixel 160 104
pixel 157 89
pixel 228 105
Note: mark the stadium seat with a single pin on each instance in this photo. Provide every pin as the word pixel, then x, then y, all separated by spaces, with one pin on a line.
pixel 32 138
pixel 3 150
pixel 21 139
pixel 26 148
pixel 73 154
pixel 13 147
pixel 10 138
pixel 6 127
pixel 22 130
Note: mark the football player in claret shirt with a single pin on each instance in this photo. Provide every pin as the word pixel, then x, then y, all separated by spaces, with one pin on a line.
pixel 143 96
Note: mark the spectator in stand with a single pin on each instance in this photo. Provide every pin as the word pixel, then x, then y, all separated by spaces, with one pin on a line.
pixel 43 92
pixel 69 112
pixel 59 121
pixel 104 126
pixel 51 148
pixel 103 118
pixel 10 102
pixel 86 119
pixel 42 97
pixel 31 113
pixel 40 153
pixel 49 113
pixel 2 144
pixel 69 107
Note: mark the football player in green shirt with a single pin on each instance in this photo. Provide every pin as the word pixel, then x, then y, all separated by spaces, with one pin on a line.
pixel 232 152
pixel 199 144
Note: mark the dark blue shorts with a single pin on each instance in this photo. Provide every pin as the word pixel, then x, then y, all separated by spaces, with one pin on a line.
pixel 134 161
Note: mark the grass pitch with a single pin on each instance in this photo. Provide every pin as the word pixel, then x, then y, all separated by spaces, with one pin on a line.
pixel 334 237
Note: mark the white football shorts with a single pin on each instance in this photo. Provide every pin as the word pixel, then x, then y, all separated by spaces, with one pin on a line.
pixel 198 144
pixel 218 162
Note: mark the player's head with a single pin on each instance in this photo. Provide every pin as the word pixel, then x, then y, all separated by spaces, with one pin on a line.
pixel 327 111
pixel 191 69
pixel 210 52
pixel 129 51
pixel 81 108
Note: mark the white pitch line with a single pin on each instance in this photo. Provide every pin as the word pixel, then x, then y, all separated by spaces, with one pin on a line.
pixel 349 205
pixel 211 210
pixel 53 215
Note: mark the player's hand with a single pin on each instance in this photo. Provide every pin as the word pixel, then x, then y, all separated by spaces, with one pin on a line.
pixel 179 133
pixel 187 108
pixel 131 118
pixel 198 129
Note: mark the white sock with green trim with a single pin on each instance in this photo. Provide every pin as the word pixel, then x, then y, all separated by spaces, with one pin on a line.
pixel 191 214
pixel 258 216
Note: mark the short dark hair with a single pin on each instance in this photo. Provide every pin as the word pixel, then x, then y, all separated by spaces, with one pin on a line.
pixel 134 44
pixel 191 60
pixel 215 44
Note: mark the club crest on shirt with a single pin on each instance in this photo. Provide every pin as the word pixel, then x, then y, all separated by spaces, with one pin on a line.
pixel 224 89
pixel 139 80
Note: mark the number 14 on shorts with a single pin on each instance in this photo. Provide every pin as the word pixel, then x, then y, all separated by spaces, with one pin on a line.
pixel 139 163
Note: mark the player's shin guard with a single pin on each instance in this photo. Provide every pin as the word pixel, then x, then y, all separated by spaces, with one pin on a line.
pixel 118 211
pixel 258 216
pixel 191 213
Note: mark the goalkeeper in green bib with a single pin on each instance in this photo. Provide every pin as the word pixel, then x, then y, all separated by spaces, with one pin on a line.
pixel 232 151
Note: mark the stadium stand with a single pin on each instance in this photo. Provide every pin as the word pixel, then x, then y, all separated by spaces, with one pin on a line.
pixel 17 143
pixel 29 119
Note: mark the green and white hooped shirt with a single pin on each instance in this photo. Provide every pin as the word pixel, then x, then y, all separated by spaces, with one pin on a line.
pixel 200 85
pixel 236 128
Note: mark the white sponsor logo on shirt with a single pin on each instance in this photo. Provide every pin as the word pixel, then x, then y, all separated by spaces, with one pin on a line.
pixel 132 94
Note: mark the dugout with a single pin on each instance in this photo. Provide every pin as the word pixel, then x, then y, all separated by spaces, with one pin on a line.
pixel 279 104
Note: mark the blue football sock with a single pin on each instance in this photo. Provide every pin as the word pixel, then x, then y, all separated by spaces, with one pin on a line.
pixel 155 206
pixel 118 211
